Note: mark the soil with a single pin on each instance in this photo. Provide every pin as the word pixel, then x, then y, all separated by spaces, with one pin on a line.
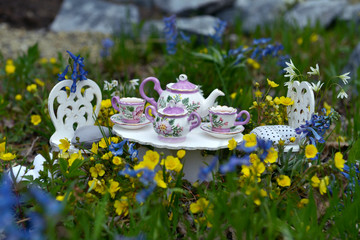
pixel 29 14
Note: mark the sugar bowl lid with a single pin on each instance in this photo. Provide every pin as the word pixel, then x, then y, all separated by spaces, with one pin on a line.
pixel 173 110
pixel 182 84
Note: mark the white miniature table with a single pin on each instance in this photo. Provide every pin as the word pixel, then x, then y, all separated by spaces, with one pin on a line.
pixel 196 141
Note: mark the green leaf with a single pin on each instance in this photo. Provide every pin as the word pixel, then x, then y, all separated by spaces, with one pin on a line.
pixel 63 165
pixel 172 121
pixel 185 101
pixel 354 153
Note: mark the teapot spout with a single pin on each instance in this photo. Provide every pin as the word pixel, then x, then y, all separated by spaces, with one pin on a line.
pixel 209 101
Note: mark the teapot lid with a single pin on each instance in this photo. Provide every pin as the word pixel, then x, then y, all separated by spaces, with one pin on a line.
pixel 183 84
pixel 173 110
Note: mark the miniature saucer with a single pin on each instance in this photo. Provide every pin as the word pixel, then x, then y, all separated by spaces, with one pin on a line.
pixel 117 119
pixel 206 127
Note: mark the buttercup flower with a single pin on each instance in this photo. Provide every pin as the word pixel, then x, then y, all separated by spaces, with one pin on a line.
pixel 315 181
pixel 7 156
pixel 117 160
pixel 283 181
pixel 64 144
pixel 199 206
pixel 271 156
pixel 94 148
pixel 258 93
pixel 18 97
pixel 113 188
pixel 172 163
pixel 39 82
pixel 339 161
pixel 286 101
pixel 98 170
pixel 272 83
pixel 31 88
pixel 35 119
pixel 232 144
pixel 323 185
pixel 181 153
pixel 314 37
pixel 10 69
pixel 159 179
pixel 311 151
pixel 122 206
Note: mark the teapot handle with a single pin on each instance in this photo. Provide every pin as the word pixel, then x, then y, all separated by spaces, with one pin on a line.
pixel 246 120
pixel 157 87
pixel 194 124
pixel 148 114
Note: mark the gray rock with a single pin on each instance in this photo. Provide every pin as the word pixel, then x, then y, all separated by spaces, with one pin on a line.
pixel 351 12
pixel 185 6
pixel 87 135
pixel 94 16
pixel 253 13
pixel 313 11
pixel 201 25
pixel 353 64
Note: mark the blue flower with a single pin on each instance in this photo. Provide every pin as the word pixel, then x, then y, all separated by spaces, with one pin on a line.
pixel 261 41
pixel 78 71
pixel 133 152
pixel 170 32
pixel 204 172
pixel 243 148
pixel 147 176
pixel 265 145
pixel 219 31
pixel 234 162
pixel 184 37
pixel 63 74
pixel 145 193
pixel 107 43
pixel 51 206
pixel 119 146
pixel 128 171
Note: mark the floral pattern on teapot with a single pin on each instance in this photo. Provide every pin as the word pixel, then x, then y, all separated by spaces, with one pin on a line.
pixel 190 106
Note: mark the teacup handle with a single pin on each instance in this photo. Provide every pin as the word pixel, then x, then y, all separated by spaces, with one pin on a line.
pixel 114 102
pixel 246 120
pixel 157 87
pixel 147 114
pixel 194 124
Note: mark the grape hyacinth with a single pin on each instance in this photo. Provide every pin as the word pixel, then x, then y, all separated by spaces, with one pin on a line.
pixel 219 31
pixel 170 34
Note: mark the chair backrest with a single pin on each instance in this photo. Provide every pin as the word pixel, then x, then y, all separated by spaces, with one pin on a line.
pixel 71 111
pixel 304 103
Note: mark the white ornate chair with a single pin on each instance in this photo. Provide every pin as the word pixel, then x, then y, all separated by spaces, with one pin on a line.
pixel 298 113
pixel 69 111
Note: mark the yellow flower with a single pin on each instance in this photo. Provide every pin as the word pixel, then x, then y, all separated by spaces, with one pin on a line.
pixel 204 50
pixel 97 185
pixel 114 187
pixel 117 160
pixel 199 206
pixel 94 148
pixel 233 95
pixel 303 202
pixel 53 60
pixel 292 139
pixel 286 101
pixel 35 119
pixel 268 98
pixel 341 139
pixel 75 156
pixel 172 164
pixel 98 170
pixel 250 140
pixel 151 159
pixel 272 156
pixel 64 144
pixel 18 97
pixel 277 101
pixel 258 93
pixel 328 108
pixel 314 37
pixel 2 147
pixel 315 181
pixel 159 179
pixel 257 202
pixel 272 83
pixel 43 60
pixel 106 103
pixel 339 161
pixel 281 142
pixel 181 153
pixel 39 82
pixel 283 181
pixel 263 193
pixel 31 88
pixel 10 69
pixel 7 156
pixel 9 62
pixel 310 151
pixel 103 143
pixel 122 206
pixel 323 185
pixel 253 63
pixel 60 198
pixel 107 156
pixel 232 144
pixel 300 41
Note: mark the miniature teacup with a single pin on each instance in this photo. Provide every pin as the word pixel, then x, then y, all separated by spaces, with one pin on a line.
pixel 223 118
pixel 130 108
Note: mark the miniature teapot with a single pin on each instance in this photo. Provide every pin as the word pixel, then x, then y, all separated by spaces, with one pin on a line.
pixel 183 92
pixel 172 123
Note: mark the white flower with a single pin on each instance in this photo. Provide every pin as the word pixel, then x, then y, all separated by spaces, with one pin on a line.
pixel 345 77
pixel 109 86
pixel 290 65
pixel 114 83
pixel 106 85
pixel 290 70
pixel 342 94
pixel 314 71
pixel 316 87
pixel 134 83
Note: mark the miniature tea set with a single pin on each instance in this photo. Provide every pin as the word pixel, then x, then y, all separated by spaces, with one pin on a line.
pixel 178 111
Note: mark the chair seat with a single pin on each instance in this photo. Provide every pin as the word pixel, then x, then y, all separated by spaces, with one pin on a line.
pixel 275 132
